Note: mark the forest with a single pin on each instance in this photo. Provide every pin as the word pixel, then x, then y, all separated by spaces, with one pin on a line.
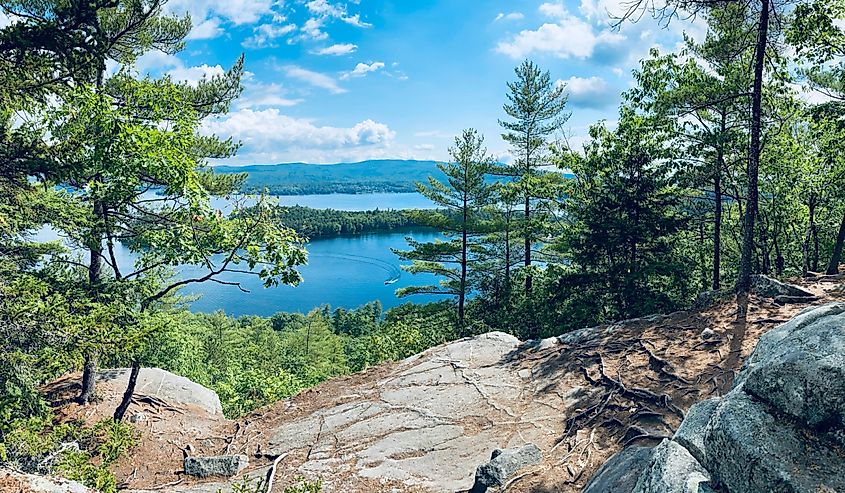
pixel 716 169
pixel 316 223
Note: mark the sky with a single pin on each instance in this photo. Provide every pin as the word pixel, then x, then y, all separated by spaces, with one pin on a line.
pixel 342 81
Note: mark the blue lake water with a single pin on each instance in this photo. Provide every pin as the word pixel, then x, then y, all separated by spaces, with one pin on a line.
pixel 342 272
pixel 346 271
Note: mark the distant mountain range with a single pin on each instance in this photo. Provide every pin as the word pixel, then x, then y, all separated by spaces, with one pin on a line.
pixel 388 175
pixel 384 175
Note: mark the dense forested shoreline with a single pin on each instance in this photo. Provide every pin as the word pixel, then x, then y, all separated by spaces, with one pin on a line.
pixel 327 223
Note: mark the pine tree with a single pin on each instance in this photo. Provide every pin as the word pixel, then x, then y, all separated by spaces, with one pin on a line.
pixel 463 199
pixel 536 106
pixel 624 216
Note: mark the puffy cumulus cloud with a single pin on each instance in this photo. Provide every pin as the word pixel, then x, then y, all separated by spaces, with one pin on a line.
pixel 193 75
pixel 512 16
pixel 567 36
pixel 207 29
pixel 268 136
pixel 590 92
pixel 155 61
pixel 337 49
pixel 315 79
pixel 321 12
pixel 604 10
pixel 362 69
pixel 569 39
pixel 208 15
pixel 556 10
pixel 265 35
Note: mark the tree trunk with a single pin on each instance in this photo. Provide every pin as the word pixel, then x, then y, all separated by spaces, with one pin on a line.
pixel 717 214
pixel 462 294
pixel 836 257
pixel 507 256
pixel 805 247
pixel 717 228
pixel 744 281
pixel 815 231
pixel 765 258
pixel 528 279
pixel 89 374
pixel 95 265
pixel 127 394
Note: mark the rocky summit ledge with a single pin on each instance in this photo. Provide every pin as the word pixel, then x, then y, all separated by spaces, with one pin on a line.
pixel 563 405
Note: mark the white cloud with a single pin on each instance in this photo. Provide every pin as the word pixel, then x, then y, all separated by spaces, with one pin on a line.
pixel 556 10
pixel 810 95
pixel 207 29
pixel 316 79
pixel 604 10
pixel 238 12
pixel 155 61
pixel 193 75
pixel 356 21
pixel 265 34
pixel 337 49
pixel 268 136
pixel 362 69
pixel 260 95
pixel 569 37
pixel 313 29
pixel 324 9
pixel 513 16
pixel 590 92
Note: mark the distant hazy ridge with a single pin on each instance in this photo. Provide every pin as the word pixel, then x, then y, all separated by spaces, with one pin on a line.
pixel 362 177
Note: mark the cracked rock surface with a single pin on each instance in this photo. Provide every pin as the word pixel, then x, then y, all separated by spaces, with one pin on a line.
pixel 425 424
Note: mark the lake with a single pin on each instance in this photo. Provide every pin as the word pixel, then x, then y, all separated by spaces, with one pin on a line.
pixel 346 271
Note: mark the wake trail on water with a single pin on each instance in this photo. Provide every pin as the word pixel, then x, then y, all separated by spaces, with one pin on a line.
pixel 393 272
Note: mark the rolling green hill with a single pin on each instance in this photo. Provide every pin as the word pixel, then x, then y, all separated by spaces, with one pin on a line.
pixel 362 177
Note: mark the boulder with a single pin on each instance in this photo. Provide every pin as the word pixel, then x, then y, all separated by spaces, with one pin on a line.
pixel 168 387
pixel 621 472
pixel 14 481
pixel 672 469
pixel 503 464
pixel 691 432
pixel 767 287
pixel 220 465
pixel 799 368
pixel 750 450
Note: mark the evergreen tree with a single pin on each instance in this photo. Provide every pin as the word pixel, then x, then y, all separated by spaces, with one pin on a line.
pixel 624 218
pixel 463 200
pixel 536 106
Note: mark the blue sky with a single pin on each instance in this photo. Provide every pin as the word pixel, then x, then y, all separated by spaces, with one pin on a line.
pixel 339 81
